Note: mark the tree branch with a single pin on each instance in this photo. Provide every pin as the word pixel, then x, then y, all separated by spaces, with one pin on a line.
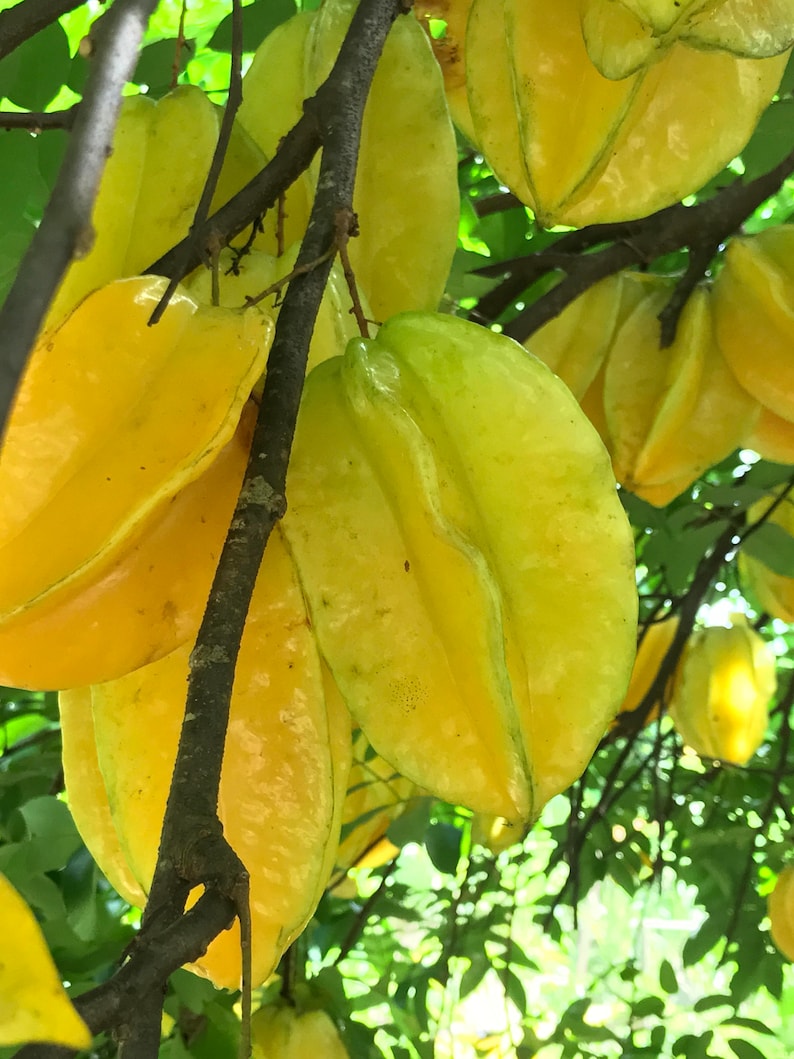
pixel 38 121
pixel 292 158
pixel 65 228
pixel 27 18
pixel 701 229
pixel 192 847
pixel 152 960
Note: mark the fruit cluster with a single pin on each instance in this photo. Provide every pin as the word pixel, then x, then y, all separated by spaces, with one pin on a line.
pixel 604 110
pixel 453 519
pixel 452 515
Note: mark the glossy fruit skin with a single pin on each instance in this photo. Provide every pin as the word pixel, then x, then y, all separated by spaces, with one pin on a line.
pixel 280 1032
pixel 671 413
pixel 754 315
pixel 112 421
pixel 722 691
pixel 495 833
pixel 575 343
pixel 445 624
pixel 774 592
pixel 285 770
pixel 651 651
pixel 580 148
pixel 155 588
pixel 407 229
pixel 666 415
pixel 623 35
pixel 147 199
pixel 780 908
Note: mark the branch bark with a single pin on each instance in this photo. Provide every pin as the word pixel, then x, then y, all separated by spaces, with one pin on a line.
pixel 27 18
pixel 192 847
pixel 66 225
pixel 701 229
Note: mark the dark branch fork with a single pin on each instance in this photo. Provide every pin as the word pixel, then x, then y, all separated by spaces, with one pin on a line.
pixel 193 850
pixel 701 229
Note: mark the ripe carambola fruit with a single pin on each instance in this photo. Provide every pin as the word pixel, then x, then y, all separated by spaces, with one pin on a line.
pixel 754 316
pixel 495 833
pixel 477 514
pixel 406 195
pixel 722 690
pixel 273 93
pixel 278 1031
pixel 774 591
pixel 651 652
pixel 151 186
pixel 780 908
pixel 575 342
pixel 285 769
pixel 666 415
pixel 155 589
pixel 33 1003
pixel 579 148
pixel 112 420
pixel 624 35
pixel 671 413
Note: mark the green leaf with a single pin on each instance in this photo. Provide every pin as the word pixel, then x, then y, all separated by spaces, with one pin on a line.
pixel 708 1003
pixel 773 546
pixel 411 825
pixel 691 1046
pixel 474 973
pixel 33 74
pixel 745 1050
pixel 193 992
pixel 771 141
pixel 667 977
pixel 259 19
pixel 443 842
pixel 155 67
pixel 749 1024
pixel 648 1006
pixel 514 988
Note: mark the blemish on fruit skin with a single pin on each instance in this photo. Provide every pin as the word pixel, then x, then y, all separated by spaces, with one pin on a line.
pixel 406 566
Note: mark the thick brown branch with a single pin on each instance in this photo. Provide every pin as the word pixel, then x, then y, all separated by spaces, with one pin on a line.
pixel 66 224
pixel 701 228
pixel 22 21
pixel 192 848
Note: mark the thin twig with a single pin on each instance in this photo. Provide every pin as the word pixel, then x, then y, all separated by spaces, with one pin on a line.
pixel 612 790
pixel 65 228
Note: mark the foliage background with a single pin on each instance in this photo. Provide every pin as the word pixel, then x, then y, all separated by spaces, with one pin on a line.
pixel 631 920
